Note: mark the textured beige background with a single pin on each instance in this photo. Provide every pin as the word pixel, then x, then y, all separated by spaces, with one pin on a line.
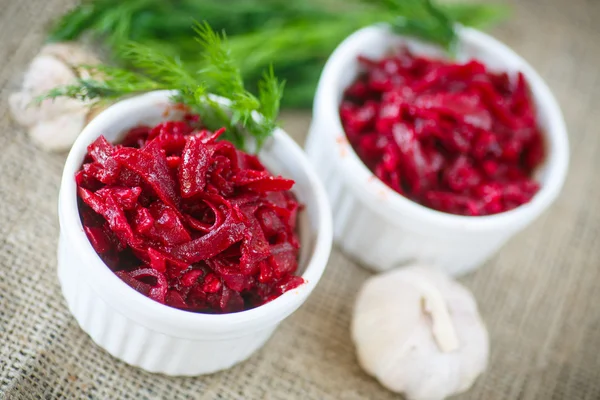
pixel 540 296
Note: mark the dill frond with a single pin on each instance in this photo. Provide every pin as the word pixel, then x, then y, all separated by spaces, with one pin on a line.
pixel 220 75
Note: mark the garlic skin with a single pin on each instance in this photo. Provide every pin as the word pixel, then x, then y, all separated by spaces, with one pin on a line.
pixel 419 333
pixel 70 53
pixel 54 124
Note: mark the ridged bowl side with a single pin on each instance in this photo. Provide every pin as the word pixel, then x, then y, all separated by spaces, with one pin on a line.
pixel 139 346
pixel 378 241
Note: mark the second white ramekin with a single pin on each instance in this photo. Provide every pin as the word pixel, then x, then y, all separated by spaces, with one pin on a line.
pixel 379 227
pixel 151 335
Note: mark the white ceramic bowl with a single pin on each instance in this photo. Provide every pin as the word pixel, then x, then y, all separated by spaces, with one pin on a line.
pixel 383 229
pixel 156 337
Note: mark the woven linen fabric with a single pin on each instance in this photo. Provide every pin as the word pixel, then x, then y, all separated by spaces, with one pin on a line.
pixel 540 295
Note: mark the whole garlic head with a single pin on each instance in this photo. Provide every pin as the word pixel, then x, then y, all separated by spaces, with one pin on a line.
pixel 54 124
pixel 419 333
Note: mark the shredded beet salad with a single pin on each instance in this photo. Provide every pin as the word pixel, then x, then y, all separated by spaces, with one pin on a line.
pixel 189 221
pixel 453 137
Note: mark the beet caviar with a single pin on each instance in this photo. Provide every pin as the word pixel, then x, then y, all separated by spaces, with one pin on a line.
pixel 189 221
pixel 453 137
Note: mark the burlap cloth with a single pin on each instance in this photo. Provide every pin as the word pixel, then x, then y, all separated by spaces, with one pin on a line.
pixel 540 295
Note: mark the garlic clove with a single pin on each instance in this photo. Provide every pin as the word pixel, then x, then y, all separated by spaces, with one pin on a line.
pixel 383 332
pixel 59 133
pixel 426 354
pixel 46 72
pixel 18 104
pixel 434 305
pixel 28 114
pixel 420 371
pixel 70 53
pixel 53 124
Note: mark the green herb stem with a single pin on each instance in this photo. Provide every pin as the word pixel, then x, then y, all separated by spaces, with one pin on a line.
pixel 219 75
pixel 295 36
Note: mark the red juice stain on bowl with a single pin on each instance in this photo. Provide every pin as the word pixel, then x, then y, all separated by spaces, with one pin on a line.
pixel 453 137
pixel 188 220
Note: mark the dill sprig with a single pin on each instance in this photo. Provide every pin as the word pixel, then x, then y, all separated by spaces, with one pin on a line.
pixel 246 115
pixel 295 36
pixel 160 67
pixel 114 84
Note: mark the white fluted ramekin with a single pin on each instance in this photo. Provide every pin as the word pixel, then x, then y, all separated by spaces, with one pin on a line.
pixel 379 227
pixel 151 335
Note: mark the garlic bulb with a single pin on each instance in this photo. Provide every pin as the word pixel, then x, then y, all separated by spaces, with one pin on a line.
pixel 53 124
pixel 419 333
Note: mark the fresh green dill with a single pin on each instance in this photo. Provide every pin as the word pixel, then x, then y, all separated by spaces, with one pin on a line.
pixel 246 115
pixel 111 83
pixel 295 36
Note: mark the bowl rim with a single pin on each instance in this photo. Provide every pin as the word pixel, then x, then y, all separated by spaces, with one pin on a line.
pixel 393 205
pixel 149 312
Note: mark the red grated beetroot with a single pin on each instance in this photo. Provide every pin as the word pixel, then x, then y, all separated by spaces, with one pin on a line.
pixel 453 137
pixel 189 221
